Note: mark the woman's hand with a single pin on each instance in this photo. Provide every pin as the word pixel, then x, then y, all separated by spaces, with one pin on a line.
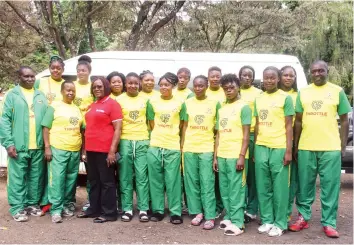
pixel 240 165
pixel 111 158
pixel 83 156
pixel 48 154
pixel 215 165
pixel 287 158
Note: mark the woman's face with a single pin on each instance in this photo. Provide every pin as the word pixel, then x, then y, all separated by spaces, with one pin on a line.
pixel 214 79
pixel 270 80
pixel 132 85
pixel 183 80
pixel 148 83
pixel 83 72
pixel 68 93
pixel 288 78
pixel 199 87
pixel 231 90
pixel 246 78
pixel 56 70
pixel 165 88
pixel 98 89
pixel 116 85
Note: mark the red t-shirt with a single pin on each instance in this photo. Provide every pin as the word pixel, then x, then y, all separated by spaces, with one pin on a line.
pixel 99 126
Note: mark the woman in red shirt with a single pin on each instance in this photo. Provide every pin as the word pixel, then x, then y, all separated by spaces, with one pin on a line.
pixel 103 128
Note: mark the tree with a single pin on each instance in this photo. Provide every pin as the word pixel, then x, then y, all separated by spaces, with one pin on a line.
pixel 151 17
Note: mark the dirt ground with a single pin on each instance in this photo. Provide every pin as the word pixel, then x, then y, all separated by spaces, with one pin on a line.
pixel 73 230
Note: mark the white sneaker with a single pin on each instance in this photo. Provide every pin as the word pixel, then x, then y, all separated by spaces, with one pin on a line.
pixel 265 228
pixel 251 216
pixel 56 218
pixel 275 231
pixel 21 216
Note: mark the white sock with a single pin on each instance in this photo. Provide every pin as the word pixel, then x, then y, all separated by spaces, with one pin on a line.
pixel 142 212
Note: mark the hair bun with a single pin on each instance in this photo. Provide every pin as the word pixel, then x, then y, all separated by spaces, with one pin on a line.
pixel 85 58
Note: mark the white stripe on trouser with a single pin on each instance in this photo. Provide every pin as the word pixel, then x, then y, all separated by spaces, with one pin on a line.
pixel 162 152
pixel 134 148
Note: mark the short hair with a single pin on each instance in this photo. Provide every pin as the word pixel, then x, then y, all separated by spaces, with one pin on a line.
pixel 294 87
pixel 170 77
pixel 214 68
pixel 185 70
pixel 229 78
pixel 63 85
pixel 132 74
pixel 19 72
pixel 201 77
pixel 144 73
pixel 85 60
pixel 118 74
pixel 247 67
pixel 320 62
pixel 273 68
pixel 106 85
pixel 56 58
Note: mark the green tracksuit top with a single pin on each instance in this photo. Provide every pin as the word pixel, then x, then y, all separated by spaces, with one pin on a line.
pixel 14 122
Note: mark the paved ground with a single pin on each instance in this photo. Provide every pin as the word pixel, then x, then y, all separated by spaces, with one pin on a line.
pixel 41 230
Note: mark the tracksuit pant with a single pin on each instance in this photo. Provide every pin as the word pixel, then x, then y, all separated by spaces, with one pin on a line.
pixel 293 191
pixel 251 187
pixel 273 181
pixel 103 186
pixel 25 180
pixel 328 165
pixel 133 159
pixel 62 175
pixel 232 185
pixel 164 169
pixel 199 182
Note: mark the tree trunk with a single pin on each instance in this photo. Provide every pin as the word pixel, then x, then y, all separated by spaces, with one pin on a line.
pixel 89 27
pixel 63 29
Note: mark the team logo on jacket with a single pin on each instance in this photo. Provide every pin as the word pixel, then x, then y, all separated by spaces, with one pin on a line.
pixel 77 101
pixel 317 104
pixel 223 122
pixel 199 119
pixel 263 114
pixel 74 120
pixel 50 96
pixel 134 115
pixel 165 118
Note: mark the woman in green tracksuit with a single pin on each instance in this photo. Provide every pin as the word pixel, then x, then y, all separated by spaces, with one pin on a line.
pixel 273 110
pixel 62 125
pixel 164 155
pixel 231 154
pixel 289 85
pixel 133 146
pixel 197 141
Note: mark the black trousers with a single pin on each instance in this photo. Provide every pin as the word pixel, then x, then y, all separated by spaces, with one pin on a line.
pixel 102 196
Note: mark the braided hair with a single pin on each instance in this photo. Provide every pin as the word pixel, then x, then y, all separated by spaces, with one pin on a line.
pixel 170 77
pixel 56 58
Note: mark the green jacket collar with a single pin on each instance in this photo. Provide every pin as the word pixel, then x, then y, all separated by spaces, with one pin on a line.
pixel 17 90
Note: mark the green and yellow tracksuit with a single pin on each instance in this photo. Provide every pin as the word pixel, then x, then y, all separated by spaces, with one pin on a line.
pixel 231 118
pixel 21 127
pixel 272 176
pixel 320 149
